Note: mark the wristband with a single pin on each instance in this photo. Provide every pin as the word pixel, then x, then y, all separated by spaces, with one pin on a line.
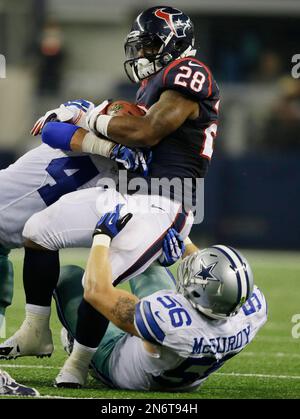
pixel 59 135
pixel 92 144
pixel 101 240
pixel 102 123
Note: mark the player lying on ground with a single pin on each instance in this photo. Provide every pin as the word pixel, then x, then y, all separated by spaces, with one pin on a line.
pixel 164 338
pixel 182 98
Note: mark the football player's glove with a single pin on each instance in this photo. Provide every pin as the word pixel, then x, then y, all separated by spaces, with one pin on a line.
pixel 136 160
pixel 111 223
pixel 73 111
pixel 173 248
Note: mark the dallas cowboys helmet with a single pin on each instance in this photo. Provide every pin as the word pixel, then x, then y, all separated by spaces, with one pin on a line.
pixel 158 36
pixel 217 281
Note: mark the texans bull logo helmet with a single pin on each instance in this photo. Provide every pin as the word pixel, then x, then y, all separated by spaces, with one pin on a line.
pixel 158 36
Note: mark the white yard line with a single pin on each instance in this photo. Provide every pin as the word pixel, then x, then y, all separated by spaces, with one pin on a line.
pixel 33 367
pixel 236 374
pixel 270 354
pixel 231 374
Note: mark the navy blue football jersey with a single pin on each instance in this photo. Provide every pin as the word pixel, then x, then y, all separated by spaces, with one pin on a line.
pixel 186 152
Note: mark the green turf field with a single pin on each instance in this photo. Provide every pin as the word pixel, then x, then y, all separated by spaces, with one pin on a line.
pixel 268 368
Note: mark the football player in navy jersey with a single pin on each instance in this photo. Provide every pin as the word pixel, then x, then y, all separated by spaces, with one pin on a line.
pixel 180 126
pixel 179 92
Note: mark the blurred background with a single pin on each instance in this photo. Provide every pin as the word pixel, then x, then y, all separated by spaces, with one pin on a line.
pixel 58 50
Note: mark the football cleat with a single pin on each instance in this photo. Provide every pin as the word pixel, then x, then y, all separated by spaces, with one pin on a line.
pixel 9 387
pixel 28 341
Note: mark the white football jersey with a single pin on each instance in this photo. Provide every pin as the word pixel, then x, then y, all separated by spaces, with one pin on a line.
pixel 40 178
pixel 189 345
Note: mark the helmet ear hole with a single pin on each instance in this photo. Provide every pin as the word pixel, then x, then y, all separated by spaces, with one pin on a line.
pixel 196 294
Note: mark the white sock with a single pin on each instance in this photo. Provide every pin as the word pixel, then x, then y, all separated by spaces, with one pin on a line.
pixel 2 326
pixel 31 308
pixel 81 356
pixel 38 316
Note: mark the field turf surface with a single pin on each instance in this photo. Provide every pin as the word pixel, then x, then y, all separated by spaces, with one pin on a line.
pixel 268 368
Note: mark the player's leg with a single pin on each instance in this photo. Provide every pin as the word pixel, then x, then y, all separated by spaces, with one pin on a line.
pixel 41 268
pixel 68 295
pixel 6 286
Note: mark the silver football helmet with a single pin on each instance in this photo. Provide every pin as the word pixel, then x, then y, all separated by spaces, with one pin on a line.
pixel 217 281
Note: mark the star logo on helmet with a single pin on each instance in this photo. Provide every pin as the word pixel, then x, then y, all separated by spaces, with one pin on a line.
pixel 205 275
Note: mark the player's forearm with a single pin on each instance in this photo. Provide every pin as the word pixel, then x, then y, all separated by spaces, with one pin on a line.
pixel 98 276
pixel 118 306
pixel 161 120
pixel 84 141
pixel 133 131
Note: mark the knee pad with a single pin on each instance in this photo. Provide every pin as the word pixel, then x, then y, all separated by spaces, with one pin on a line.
pixel 6 280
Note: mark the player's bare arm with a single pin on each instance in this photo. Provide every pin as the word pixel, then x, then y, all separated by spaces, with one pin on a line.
pixel 116 305
pixel 163 118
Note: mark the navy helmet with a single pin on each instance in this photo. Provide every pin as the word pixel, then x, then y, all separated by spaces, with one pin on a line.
pixel 158 36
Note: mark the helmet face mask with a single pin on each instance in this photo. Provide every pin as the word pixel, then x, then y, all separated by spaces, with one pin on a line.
pixel 159 35
pixel 216 281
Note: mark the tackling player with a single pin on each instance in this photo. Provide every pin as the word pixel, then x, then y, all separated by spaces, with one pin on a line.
pixel 43 175
pixel 175 337
pixel 40 178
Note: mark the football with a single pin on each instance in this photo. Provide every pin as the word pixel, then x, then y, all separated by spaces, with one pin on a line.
pixel 121 107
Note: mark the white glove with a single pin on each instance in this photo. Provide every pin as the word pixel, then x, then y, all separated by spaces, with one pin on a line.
pixel 74 112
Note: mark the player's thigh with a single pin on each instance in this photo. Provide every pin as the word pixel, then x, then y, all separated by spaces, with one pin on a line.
pixel 140 242
pixel 70 222
pixel 19 201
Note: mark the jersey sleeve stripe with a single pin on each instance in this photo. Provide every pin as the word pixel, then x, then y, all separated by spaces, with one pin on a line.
pixel 141 326
pixel 209 90
pixel 155 329
pixel 209 77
